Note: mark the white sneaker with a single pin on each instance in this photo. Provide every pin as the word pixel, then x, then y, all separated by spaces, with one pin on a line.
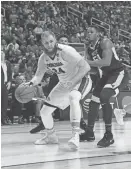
pixel 119 114
pixel 74 141
pixel 48 138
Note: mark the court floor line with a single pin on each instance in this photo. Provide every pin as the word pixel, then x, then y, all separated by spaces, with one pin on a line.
pixel 57 161
pixel 63 130
pixel 110 163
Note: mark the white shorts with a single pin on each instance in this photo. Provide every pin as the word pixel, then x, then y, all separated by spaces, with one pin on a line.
pixel 59 96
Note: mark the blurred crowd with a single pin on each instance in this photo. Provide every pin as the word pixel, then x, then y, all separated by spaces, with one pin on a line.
pixel 23 22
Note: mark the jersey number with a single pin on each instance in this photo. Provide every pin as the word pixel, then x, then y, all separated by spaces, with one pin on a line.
pixel 58 71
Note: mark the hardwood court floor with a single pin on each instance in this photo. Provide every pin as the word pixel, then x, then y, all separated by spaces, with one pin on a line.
pixel 19 152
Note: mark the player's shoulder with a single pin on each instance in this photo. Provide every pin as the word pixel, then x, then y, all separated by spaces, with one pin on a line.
pixel 42 57
pixel 106 43
pixel 66 48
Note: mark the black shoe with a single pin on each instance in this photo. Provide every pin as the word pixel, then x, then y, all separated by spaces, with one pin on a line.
pixel 88 135
pixel 106 141
pixel 38 128
pixel 83 125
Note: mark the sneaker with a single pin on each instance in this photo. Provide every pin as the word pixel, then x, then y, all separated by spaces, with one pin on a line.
pixel 106 141
pixel 83 125
pixel 119 114
pixel 38 128
pixel 88 135
pixel 48 138
pixel 73 143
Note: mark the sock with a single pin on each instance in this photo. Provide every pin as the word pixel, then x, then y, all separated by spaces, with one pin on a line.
pixel 75 126
pixel 50 131
pixel 91 127
pixel 108 128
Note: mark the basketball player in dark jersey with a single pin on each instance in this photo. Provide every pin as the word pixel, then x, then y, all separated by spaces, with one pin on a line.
pixel 102 55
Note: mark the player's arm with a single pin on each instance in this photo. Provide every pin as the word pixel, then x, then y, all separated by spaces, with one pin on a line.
pixel 41 69
pixel 73 57
pixel 106 55
pixel 84 68
pixel 87 56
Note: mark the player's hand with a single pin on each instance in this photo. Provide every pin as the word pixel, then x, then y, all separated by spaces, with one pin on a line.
pixel 28 84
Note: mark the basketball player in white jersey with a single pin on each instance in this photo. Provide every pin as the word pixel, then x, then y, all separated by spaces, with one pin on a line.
pixel 72 71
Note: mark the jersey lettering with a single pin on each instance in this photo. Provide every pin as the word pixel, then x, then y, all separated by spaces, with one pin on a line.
pixel 95 55
pixel 58 70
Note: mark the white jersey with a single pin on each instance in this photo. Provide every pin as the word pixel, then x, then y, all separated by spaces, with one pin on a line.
pixel 64 63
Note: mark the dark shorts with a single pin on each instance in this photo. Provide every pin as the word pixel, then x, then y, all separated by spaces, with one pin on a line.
pixel 115 80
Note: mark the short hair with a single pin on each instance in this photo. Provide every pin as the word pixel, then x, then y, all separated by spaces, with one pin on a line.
pixel 95 27
pixel 47 33
pixel 62 36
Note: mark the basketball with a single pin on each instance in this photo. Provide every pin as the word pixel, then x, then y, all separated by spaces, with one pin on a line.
pixel 25 93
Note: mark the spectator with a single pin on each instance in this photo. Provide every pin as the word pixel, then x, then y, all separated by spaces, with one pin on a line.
pixel 6 79
pixel 75 39
pixel 38 31
pixel 14 46
pixel 16 106
pixel 3 45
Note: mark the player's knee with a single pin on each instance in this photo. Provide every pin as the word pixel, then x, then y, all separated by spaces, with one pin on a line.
pixel 104 96
pixel 74 95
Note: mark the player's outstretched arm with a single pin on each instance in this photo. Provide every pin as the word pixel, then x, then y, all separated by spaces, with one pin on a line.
pixel 106 55
pixel 41 69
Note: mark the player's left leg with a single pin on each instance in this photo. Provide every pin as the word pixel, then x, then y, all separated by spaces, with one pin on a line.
pixel 75 116
pixel 48 135
pixel 75 109
pixel 105 96
pixel 84 89
pixel 109 90
pixel 56 98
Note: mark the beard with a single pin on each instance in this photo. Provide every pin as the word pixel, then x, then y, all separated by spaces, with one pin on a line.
pixel 50 53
